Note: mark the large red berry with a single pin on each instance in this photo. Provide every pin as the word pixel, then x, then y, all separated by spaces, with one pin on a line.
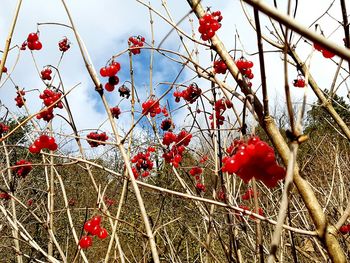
pixel 109 87
pixel 88 226
pixel 34 149
pixel 96 220
pixel 103 233
pixel 85 242
pixel 32 37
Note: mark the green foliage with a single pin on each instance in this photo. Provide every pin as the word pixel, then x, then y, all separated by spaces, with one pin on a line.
pixel 318 118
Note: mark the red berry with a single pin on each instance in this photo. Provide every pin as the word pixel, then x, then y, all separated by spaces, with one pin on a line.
pixel 327 54
pixel 103 233
pixel 96 220
pixel 37 45
pixel 109 87
pixel 88 226
pixel 52 147
pixel 318 47
pixel 32 37
pixel 85 242
pixel 103 72
pixel 38 143
pixel 95 230
pixel 34 149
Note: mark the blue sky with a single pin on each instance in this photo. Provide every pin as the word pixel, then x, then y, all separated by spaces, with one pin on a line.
pixel 105 26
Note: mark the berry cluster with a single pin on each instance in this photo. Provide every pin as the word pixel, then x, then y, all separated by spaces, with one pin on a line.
pixel 245 67
pixel 143 163
pixel 325 52
pixel 221 195
pixel 174 154
pixel 167 125
pixel 115 112
pixel 20 98
pixel 220 66
pixel 219 107
pixel 43 142
pixel 345 229
pixel 4 69
pixel 49 97
pixel 124 91
pixel 92 227
pixel 64 44
pixel 152 107
pixel 4 196
pixel 299 82
pixel 32 42
pixel 3 128
pixel 165 112
pixel 196 172
pixel 254 159
pixel 111 72
pixel 46 74
pixel 177 95
pixel 190 94
pixel 100 137
pixel 248 194
pixel 24 169
pixel 209 24
pixel 135 44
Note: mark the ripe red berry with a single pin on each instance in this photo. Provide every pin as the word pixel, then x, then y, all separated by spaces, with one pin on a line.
pixel 52 147
pixel 3 128
pixel 115 112
pixel 95 230
pixel 103 72
pixel 37 45
pixel 103 233
pixel 109 87
pixel 46 74
pixel 88 226
pixel 34 149
pixel 345 229
pixel 85 242
pixel 135 43
pixel 32 37
pixel 24 169
pixel 209 24
pixel 20 98
pixel 327 54
pixel 200 187
pixel 96 220
pixel 101 137
pixel 64 44
pixel 5 196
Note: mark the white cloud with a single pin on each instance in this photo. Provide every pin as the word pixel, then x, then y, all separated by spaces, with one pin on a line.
pixel 105 27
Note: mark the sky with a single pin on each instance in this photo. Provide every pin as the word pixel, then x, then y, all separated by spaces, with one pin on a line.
pixel 105 26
